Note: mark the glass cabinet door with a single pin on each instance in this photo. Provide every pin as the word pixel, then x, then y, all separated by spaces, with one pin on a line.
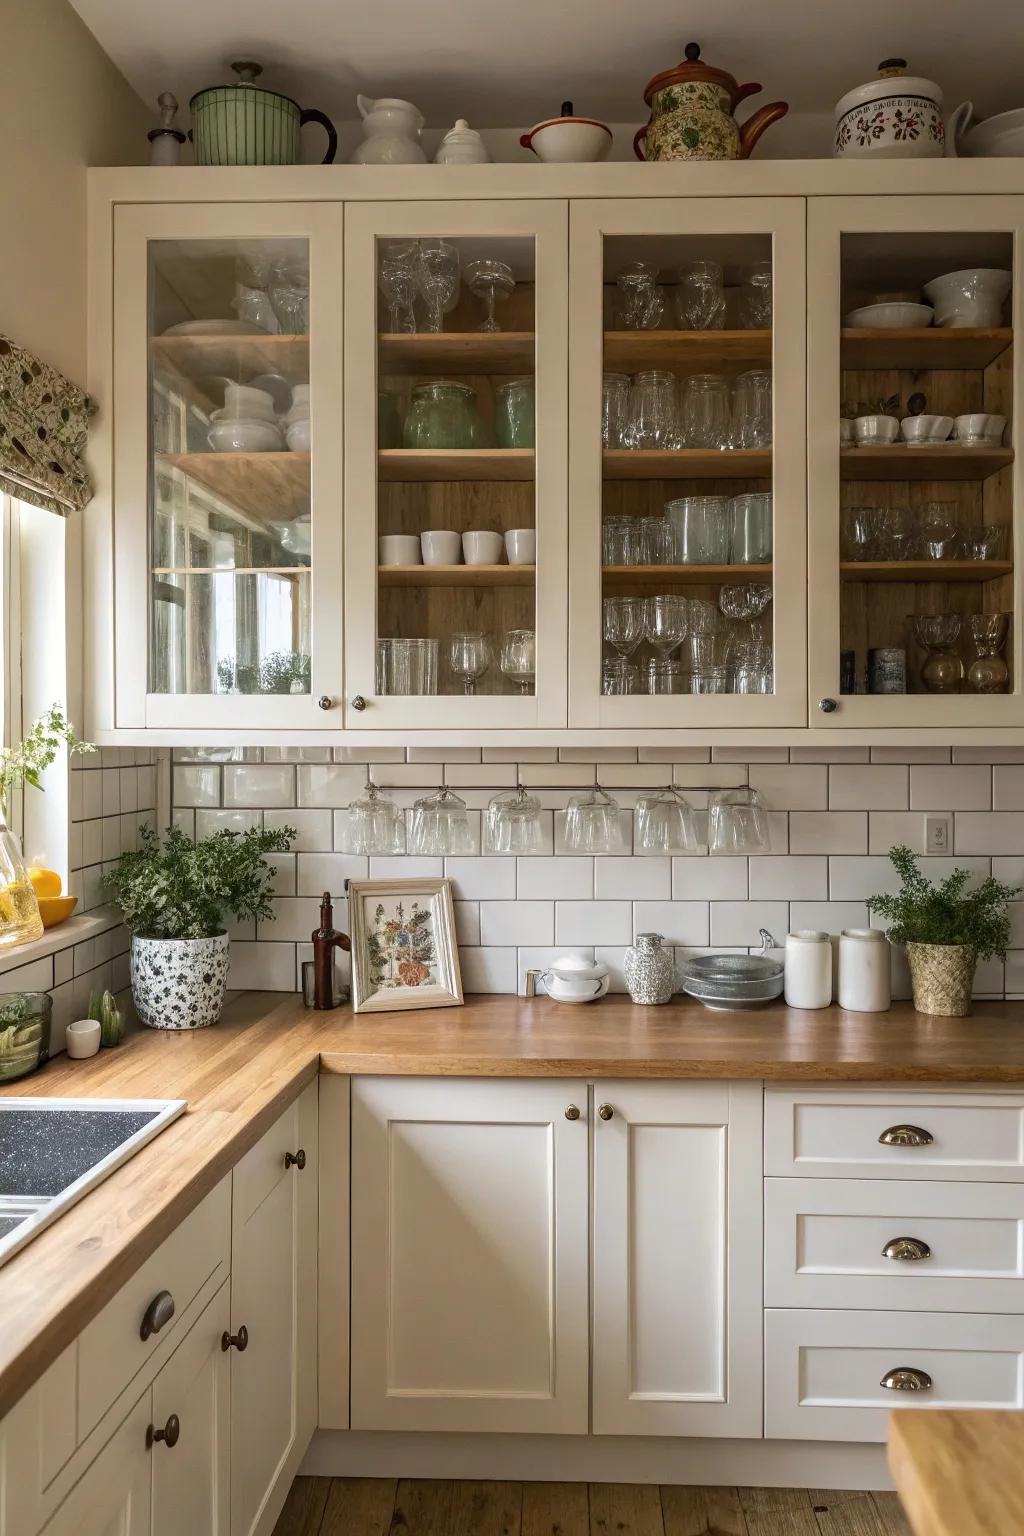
pixel 687 508
pixel 227 465
pixel 913 402
pixel 455 475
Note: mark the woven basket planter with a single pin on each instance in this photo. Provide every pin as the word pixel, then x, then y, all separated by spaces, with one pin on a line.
pixel 943 975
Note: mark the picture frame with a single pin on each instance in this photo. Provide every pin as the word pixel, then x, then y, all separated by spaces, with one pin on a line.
pixel 404 952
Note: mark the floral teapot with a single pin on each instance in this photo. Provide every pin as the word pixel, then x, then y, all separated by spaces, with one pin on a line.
pixel 692 114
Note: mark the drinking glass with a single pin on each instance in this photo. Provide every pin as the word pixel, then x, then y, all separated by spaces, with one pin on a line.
pixel 514 413
pixel 469 656
pixel 750 530
pixel 619 676
pixel 747 600
pixel 615 410
pixel 895 533
pixel 702 529
pixel 667 676
pixel 639 304
pixel 442 414
pixel 653 413
pixel 289 297
pixel 372 825
pixel 987 543
pixel 512 823
pixel 438 272
pixel 665 622
pixel 705 413
pixel 622 541
pixel 439 826
pixel 937 530
pixel 752 409
pixel 737 822
pixel 938 633
pixel 624 623
pixel 593 823
pixel 657 541
pixel 755 306
pixel 519 658
pixel 399 283
pixel 663 822
pixel 489 280
pixel 700 296
pixel 988 672
pixel 704 679
pixel 859 532
pixel 406 666
pixel 753 669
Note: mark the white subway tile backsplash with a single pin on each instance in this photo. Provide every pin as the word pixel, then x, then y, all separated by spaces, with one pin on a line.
pixel 831 916
pixel 593 922
pixel 520 755
pixel 635 879
pixel 313 828
pixel 517 922
pixel 368 755
pixel 493 776
pixel 614 957
pixel 854 879
pixel 251 785
pixel 295 917
pixel 266 966
pixel 750 754
pixel 716 775
pixel 993 832
pixel 321 784
pixel 828 832
pixel 488 968
pixel 910 754
pixel 855 787
pixel 615 776
pixel 696 878
pixel 443 754
pixel 597 755
pixel 789 878
pixel 111 791
pixel 399 867
pixel 568 878
pixel 678 922
pixel 887 828
pixel 1007 788
pixel 988 754
pixel 674 754
pixel 296 754
pixel 209 822
pixel 192 786
pixel 962 788
pixel 467 922
pixel 319 872
pixel 789 787
pixel 92 794
pixel 829 754
pixel 740 922
pixel 490 879
pixel 558 775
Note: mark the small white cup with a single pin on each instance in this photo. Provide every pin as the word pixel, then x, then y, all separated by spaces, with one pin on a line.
pixel 441 547
pixel 400 549
pixel 521 546
pixel 918 430
pixel 872 431
pixel 82 1039
pixel 980 428
pixel 481 547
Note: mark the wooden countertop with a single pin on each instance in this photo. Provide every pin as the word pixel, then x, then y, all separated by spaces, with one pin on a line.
pixel 959 1473
pixel 239 1076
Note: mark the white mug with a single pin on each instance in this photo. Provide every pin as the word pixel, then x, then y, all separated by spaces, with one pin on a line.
pixel 82 1039
pixel 521 546
pixel 441 547
pixel 481 547
pixel 400 549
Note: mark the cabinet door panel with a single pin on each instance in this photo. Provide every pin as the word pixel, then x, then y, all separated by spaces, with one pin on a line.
pixel 191 1480
pixel 115 1497
pixel 677 1259
pixel 469 1208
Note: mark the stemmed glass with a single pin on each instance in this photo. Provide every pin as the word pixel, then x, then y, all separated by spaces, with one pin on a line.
pixel 623 628
pixel 399 283
pixel 519 657
pixel 469 656
pixel 640 305
pixel 665 621
pixel 938 530
pixel 938 633
pixel 489 280
pixel 438 280
pixel 988 672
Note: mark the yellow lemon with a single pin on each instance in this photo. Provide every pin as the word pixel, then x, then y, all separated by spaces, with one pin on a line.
pixel 45 882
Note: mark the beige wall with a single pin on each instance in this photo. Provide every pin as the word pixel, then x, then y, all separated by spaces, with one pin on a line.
pixel 63 106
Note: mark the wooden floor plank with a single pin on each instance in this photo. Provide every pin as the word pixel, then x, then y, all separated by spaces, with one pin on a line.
pixel 422 1507
pixel 894 1520
pixel 762 1501
pixel 778 1512
pixel 625 1509
pixel 304 1507
pixel 857 1516
pixel 359 1506
pixel 555 1509
pixel 486 1509
pixel 702 1512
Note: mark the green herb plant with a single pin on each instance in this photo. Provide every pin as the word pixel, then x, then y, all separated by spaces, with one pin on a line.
pixel 921 912
pixel 25 763
pixel 178 889
pixel 884 405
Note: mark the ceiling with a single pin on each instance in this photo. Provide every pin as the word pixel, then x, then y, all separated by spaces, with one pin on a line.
pixel 505 63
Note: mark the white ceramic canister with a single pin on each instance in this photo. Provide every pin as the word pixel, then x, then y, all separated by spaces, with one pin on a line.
pixel 865 970
pixel 462 145
pixel 808 974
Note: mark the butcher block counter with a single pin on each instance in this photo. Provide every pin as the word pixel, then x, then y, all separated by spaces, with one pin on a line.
pixel 239 1076
pixel 958 1473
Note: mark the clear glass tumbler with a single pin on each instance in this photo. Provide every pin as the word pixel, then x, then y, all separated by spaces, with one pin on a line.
pixel 615 409
pixel 701 527
pixel 622 541
pixel 859 532
pixel 737 822
pixel 373 825
pixel 750 536
pixel 407 666
pixel 639 304
pixel 653 411
pixel 593 824
pixel 439 826
pixel 514 413
pixel 657 541
pixel 706 413
pixel 663 822
pixel 700 296
pixel 442 415
pixel 512 824
pixel 755 307
pixel 752 409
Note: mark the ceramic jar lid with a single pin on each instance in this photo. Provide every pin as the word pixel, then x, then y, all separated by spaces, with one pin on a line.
pixel 692 69
pixel 892 80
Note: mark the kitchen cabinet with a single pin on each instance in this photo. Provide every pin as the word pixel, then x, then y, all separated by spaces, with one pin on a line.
pixel 469 1227
pixel 115 1496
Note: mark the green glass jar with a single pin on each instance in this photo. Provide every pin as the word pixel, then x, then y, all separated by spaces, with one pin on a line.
pixel 442 415
pixel 514 414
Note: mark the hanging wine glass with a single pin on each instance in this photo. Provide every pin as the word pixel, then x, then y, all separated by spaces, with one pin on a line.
pixel 491 281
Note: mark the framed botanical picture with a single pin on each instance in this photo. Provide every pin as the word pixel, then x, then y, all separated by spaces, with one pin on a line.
pixel 404 953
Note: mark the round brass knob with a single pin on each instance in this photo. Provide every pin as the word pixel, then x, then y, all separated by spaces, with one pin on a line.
pixel 169 1434
pixel 239 1340
pixel 295 1159
pixel 325 701
pixel 605 1111
pixel 571 1112
pixel 159 1312
pixel 359 702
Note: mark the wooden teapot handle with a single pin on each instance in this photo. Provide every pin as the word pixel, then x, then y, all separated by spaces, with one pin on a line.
pixel 638 139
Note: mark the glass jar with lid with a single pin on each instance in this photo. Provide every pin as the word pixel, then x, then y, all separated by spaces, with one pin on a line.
pixel 443 414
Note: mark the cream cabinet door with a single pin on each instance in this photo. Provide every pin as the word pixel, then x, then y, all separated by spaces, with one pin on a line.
pixel 191 1478
pixel 273 1297
pixel 915 587
pixel 115 1496
pixel 677 1259
pixel 469 1231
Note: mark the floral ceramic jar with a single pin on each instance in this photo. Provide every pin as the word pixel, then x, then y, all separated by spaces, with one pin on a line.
pixel 692 114
pixel 896 117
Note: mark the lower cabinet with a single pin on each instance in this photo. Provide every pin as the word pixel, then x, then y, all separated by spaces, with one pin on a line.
pixel 115 1496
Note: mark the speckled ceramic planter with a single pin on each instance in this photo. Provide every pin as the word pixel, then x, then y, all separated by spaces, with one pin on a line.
pixel 179 983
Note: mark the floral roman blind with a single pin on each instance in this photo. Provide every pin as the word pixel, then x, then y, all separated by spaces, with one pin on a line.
pixel 43 430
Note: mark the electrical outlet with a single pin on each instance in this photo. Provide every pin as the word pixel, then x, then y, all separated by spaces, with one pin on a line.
pixel 938 834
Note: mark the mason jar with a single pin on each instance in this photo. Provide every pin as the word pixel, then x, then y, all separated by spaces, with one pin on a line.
pixel 442 415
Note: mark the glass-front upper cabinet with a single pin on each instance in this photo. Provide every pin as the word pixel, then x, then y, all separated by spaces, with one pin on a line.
pixel 455 475
pixel 687 463
pixel 915 597
pixel 227 491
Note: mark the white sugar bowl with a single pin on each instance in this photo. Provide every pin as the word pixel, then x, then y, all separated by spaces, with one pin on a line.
pixel 572 979
pixel 462 145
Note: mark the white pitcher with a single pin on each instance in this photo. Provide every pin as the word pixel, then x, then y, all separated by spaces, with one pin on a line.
pixel 391 131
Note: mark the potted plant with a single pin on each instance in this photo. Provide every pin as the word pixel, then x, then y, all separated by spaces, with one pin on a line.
pixel 946 928
pixel 174 896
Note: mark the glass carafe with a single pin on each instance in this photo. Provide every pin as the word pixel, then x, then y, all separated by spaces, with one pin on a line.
pixel 19 910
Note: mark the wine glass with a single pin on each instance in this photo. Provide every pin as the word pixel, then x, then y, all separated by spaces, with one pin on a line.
pixel 489 280
pixel 519 657
pixel 438 271
pixel 469 656
pixel 399 283
pixel 988 672
pixel 938 633
pixel 665 621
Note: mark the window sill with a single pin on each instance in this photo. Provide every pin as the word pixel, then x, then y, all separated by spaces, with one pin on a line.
pixel 75 931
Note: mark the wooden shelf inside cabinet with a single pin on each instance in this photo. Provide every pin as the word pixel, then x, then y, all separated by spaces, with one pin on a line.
pixel 457 352
pixel 456 575
pixel 630 351
pixel 683 575
pixel 456 464
pixel 271 487
pixel 923 347
pixel 239 357
pixel 946 461
pixel 924 570
pixel 687 464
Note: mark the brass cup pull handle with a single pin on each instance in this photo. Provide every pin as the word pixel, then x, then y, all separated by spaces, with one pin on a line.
pixel 157 1314
pixel 571 1112
pixel 907 1250
pixel 295 1159
pixel 239 1340
pixel 169 1434
pixel 906 1378
pixel 605 1111
pixel 906 1136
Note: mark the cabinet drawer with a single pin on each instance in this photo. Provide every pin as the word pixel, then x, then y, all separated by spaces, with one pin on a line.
pixel 263 1166
pixel 928 1134
pixel 823 1370
pixel 824 1242
pixel 111 1349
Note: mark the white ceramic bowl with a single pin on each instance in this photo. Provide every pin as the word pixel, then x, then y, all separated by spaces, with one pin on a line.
pixel 875 431
pixel 918 430
pixel 564 140
pixel 297 537
pixel 400 549
pixel 441 546
pixel 845 432
pixel 248 404
pixel 999 135
pixel 894 316
pixel 482 547
pixel 973 296
pixel 239 435
pixel 521 546
pixel 980 429
pixel 298 435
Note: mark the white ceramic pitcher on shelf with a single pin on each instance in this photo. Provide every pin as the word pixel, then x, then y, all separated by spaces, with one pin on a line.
pixel 391 130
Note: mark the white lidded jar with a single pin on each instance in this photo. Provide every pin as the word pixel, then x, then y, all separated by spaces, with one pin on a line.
pixel 808 973
pixel 865 970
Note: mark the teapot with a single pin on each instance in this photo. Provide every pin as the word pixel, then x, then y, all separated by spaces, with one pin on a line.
pixel 391 130
pixel 571 979
pixel 692 114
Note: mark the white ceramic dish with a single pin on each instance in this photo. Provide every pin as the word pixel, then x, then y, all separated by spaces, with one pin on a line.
pixel 980 429
pixel 216 328
pixel 241 435
pixel 566 140
pixel 873 431
pixel 1000 135
pixel 921 430
pixel 297 537
pixel 894 316
pixel 971 297
pixel 243 402
pixel 298 435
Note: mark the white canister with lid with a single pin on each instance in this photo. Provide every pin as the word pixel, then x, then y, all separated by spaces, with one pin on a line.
pixel 865 970
pixel 462 145
pixel 808 973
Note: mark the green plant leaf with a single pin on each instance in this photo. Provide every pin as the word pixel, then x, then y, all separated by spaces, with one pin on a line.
pixel 951 912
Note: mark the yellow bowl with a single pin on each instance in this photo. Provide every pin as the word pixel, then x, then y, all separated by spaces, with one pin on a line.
pixel 45 882
pixel 56 909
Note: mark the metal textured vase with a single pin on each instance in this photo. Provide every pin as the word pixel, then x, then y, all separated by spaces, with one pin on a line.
pixel 180 983
pixel 943 975
pixel 649 970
